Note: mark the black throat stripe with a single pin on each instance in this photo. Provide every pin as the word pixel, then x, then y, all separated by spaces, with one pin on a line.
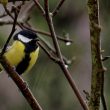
pixel 23 65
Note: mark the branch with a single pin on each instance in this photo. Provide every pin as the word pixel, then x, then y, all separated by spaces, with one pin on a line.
pixel 105 58
pixel 10 22
pixel 52 53
pixel 24 19
pixel 21 84
pixel 59 54
pixel 20 24
pixel 11 34
pixel 102 96
pixel 3 15
pixel 57 8
pixel 97 66
pixel 26 11
pixel 39 7
pixel 54 58
pixel 51 27
pixel 8 12
pixel 48 34
pixel 6 22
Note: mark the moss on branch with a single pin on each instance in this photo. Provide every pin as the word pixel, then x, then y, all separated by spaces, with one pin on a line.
pixel 97 66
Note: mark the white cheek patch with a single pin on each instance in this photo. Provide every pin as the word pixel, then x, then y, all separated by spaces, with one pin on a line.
pixel 23 38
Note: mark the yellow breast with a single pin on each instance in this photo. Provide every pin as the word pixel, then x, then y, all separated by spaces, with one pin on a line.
pixel 15 53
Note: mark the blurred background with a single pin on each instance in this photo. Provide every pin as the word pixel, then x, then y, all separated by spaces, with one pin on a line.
pixel 46 80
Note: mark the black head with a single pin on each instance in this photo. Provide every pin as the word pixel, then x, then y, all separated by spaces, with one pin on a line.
pixel 26 36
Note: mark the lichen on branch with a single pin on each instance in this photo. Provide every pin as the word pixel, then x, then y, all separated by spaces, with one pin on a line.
pixel 97 65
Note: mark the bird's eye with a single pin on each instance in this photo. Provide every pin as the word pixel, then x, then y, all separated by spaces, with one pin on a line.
pixel 23 38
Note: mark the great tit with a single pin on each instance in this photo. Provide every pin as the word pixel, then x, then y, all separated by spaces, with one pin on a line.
pixel 24 51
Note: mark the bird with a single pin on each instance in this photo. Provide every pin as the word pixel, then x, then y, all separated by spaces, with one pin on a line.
pixel 24 51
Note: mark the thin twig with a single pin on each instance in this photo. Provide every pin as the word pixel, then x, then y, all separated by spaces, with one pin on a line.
pixel 20 23
pixel 39 7
pixel 57 8
pixel 102 96
pixel 59 54
pixel 52 51
pixel 105 58
pixel 8 12
pixel 50 24
pixel 11 34
pixel 6 22
pixel 3 15
pixel 48 34
pixel 55 59
pixel 26 12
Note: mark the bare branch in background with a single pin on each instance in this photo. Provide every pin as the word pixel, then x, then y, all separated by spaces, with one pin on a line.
pixel 61 63
pixel 20 23
pixel 39 7
pixel 57 8
pixel 105 58
pixel 48 34
pixel 5 22
pixel 51 52
pixel 8 12
pixel 54 58
pixel 3 15
pixel 104 104
pixel 11 34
